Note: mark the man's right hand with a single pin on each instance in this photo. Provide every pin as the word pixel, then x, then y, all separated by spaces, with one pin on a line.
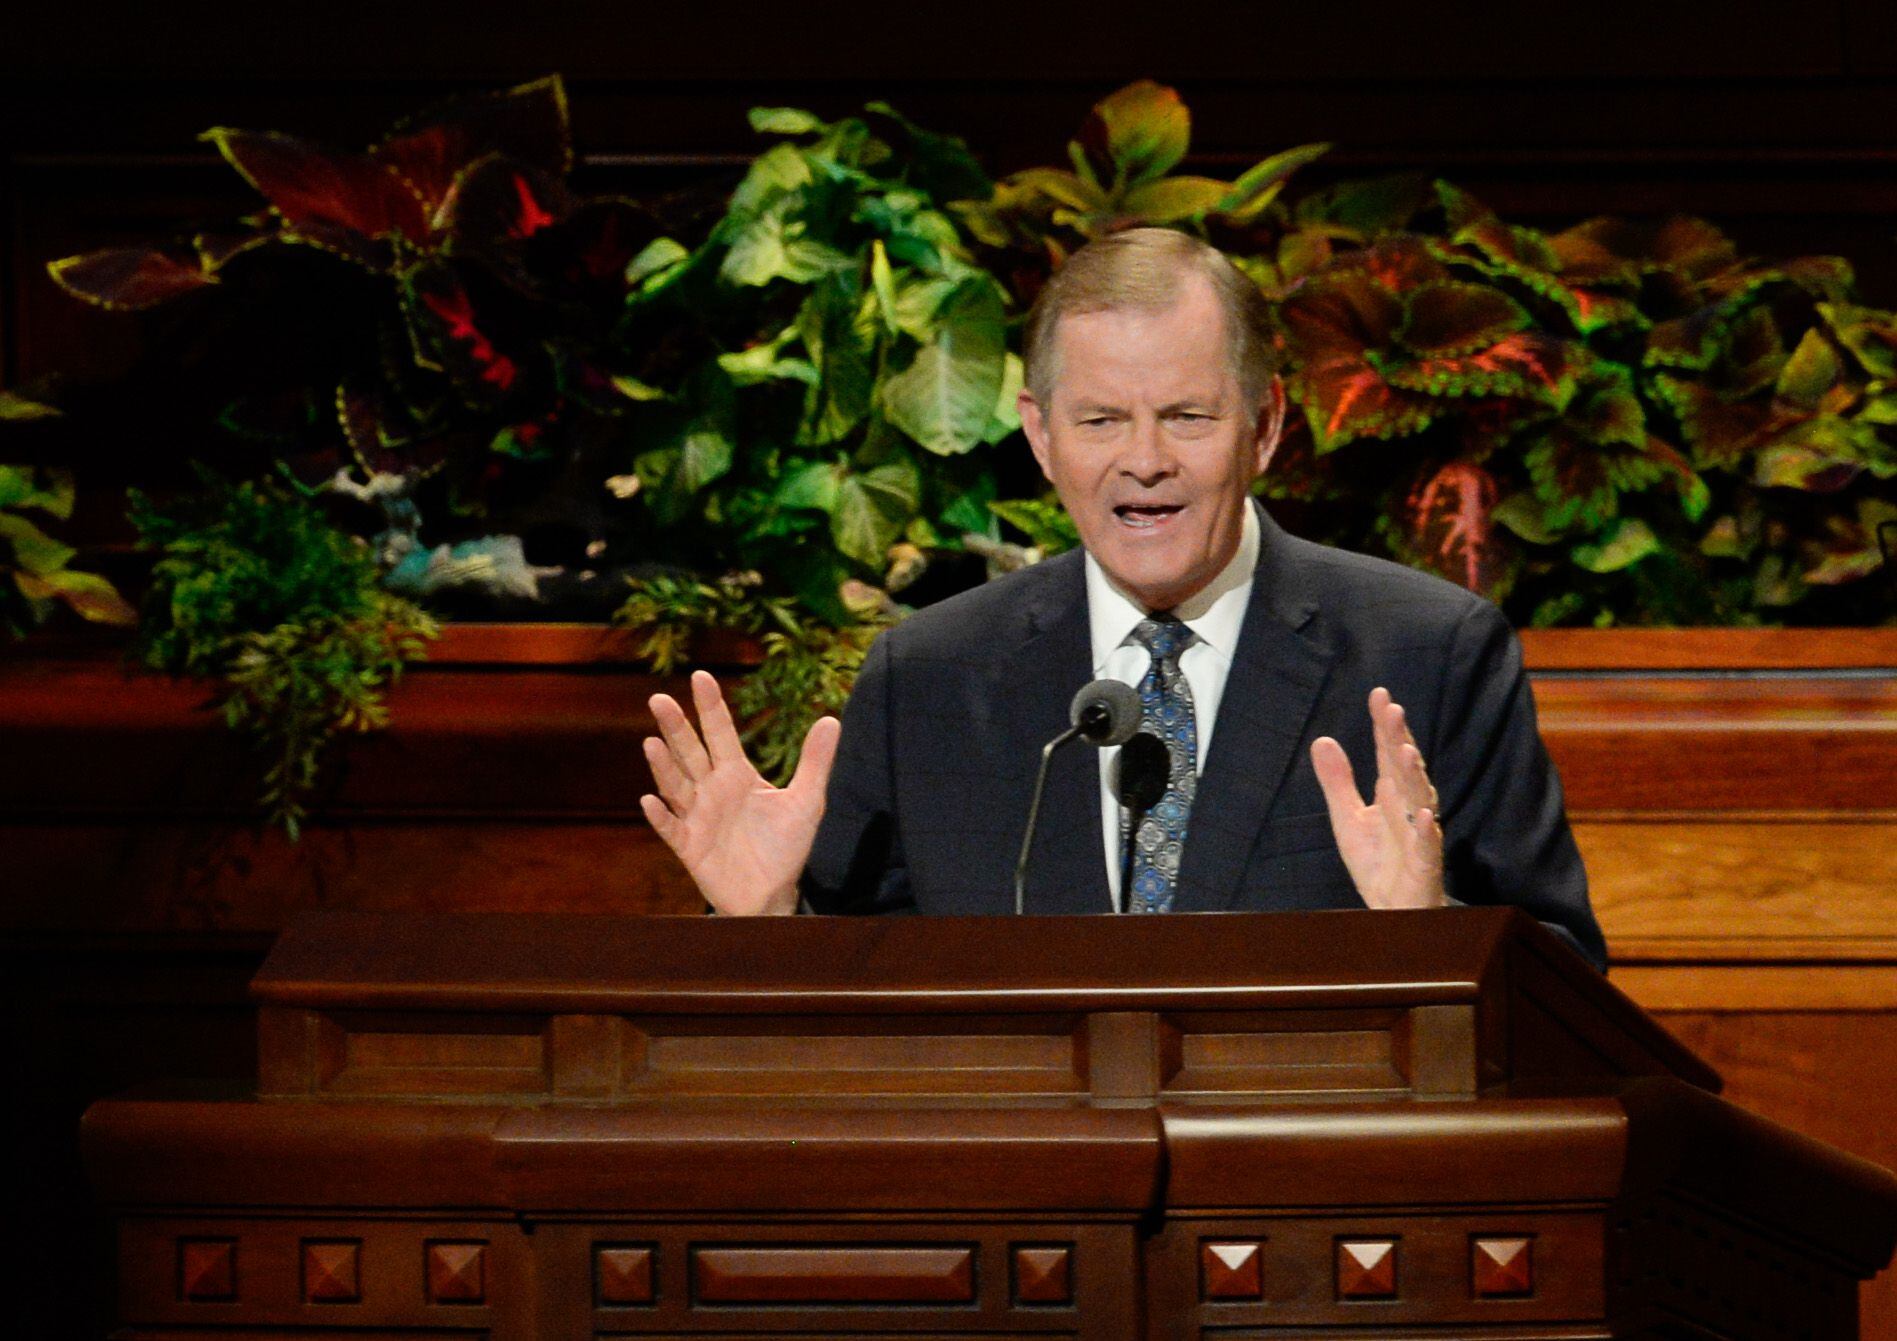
pixel 742 840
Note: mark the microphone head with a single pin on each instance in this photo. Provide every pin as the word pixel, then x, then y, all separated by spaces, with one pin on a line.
pixel 1145 769
pixel 1106 712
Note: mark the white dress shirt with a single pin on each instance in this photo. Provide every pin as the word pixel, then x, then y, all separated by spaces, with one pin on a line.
pixel 1215 615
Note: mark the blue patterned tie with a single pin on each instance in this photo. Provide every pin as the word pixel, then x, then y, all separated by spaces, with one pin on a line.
pixel 1166 711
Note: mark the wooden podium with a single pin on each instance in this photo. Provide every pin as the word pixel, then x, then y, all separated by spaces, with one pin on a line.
pixel 1339 1125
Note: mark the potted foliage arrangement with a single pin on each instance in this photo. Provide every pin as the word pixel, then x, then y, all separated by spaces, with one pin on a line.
pixel 786 411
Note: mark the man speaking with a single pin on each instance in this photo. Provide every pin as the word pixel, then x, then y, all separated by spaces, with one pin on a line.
pixel 1264 665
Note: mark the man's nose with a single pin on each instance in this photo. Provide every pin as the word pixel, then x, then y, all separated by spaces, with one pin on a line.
pixel 1149 458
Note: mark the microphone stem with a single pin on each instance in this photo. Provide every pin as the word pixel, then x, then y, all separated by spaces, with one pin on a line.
pixel 1034 815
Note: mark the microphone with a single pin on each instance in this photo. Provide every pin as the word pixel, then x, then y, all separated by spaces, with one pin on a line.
pixel 1106 712
pixel 1144 769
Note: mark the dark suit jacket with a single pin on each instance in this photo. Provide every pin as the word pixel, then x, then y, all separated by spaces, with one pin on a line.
pixel 941 738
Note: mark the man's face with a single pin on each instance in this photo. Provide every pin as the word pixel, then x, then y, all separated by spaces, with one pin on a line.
pixel 1150 443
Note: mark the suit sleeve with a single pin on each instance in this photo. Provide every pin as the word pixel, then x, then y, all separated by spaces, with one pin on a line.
pixel 1506 837
pixel 856 864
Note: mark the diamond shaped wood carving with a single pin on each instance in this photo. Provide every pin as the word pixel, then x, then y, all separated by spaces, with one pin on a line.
pixel 207 1270
pixel 1232 1270
pixel 1366 1268
pixel 332 1271
pixel 1502 1267
pixel 623 1274
pixel 456 1273
pixel 1043 1275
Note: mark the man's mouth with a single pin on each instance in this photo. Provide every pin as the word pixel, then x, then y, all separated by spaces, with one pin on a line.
pixel 1142 516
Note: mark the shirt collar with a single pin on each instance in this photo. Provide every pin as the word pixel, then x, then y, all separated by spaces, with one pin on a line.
pixel 1214 613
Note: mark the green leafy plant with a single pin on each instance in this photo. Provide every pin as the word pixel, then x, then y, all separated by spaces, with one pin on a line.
pixel 842 361
pixel 806 668
pixel 1122 176
pixel 34 576
pixel 255 588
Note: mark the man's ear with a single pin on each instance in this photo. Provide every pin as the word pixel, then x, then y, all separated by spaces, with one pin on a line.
pixel 1270 423
pixel 1034 424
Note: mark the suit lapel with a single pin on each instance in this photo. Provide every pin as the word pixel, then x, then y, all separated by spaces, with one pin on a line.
pixel 1037 682
pixel 1278 672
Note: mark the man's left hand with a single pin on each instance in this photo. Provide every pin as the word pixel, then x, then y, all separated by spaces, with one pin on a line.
pixel 1393 847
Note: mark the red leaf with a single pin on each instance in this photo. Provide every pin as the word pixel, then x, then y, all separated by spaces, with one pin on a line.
pixel 129 278
pixel 1399 263
pixel 457 340
pixel 311 185
pixel 1450 527
pixel 1340 310
pixel 498 201
pixel 527 124
pixel 1345 398
pixel 1525 363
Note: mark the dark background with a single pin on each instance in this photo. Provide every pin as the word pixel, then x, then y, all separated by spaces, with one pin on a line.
pixel 1776 120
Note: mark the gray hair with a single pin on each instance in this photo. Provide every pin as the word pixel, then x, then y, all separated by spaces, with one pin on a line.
pixel 1145 269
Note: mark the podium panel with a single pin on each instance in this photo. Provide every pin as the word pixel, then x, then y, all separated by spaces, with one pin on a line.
pixel 1341 1125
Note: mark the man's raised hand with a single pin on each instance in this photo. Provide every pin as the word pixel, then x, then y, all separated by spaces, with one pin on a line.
pixel 742 840
pixel 1393 847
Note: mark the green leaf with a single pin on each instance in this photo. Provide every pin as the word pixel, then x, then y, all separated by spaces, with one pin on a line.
pixel 16 483
pixel 1364 206
pixel 87 594
pixel 655 258
pixel 1610 413
pixel 971 512
pixel 1259 184
pixel 1527 517
pixel 33 550
pixel 15 408
pixel 918 301
pixel 1813 369
pixel 21 487
pixel 1625 543
pixel 635 390
pixel 1775 584
pixel 1042 520
pixel 840 329
pixel 762 363
pixel 946 398
pixel 872 507
pixel 810 484
pixel 769 246
pixel 784 121
pixel 883 280
pixel 1171 199
pixel 1868 333
pixel 523 442
pixel 1144 128
pixel 1007 416
pixel 1724 539
pixel 778 170
pixel 701 452
pixel 1070 190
